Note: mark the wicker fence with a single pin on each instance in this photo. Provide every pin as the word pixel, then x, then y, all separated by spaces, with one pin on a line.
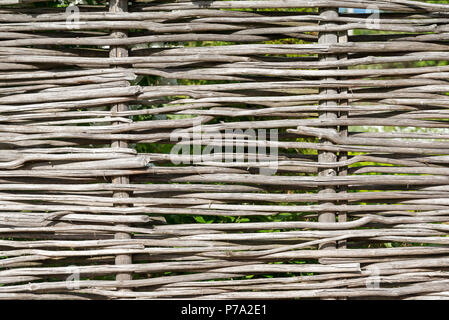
pixel 268 149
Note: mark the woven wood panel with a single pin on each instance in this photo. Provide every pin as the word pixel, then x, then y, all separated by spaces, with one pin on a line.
pixel 283 149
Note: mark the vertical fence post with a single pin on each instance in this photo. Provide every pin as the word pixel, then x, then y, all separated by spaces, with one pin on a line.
pixel 343 155
pixel 117 6
pixel 326 156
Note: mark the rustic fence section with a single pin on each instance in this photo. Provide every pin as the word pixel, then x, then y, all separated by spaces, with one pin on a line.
pixel 92 205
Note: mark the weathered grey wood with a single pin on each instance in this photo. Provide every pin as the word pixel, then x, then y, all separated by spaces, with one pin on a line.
pixel 362 136
pixel 118 53
pixel 328 38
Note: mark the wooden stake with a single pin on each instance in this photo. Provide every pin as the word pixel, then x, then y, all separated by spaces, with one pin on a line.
pixel 327 156
pixel 117 6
